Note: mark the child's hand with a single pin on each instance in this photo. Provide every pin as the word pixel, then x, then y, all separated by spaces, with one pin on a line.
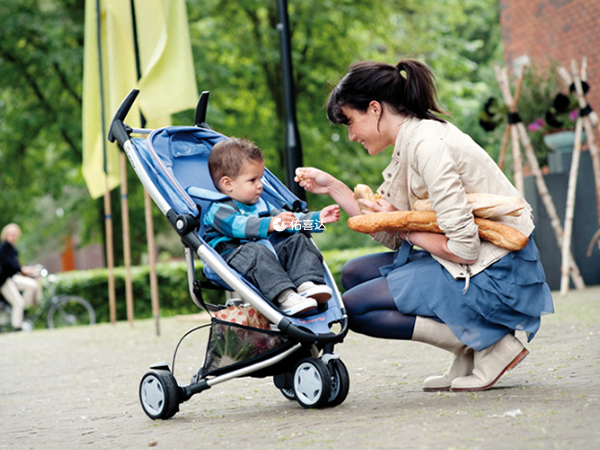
pixel 282 221
pixel 330 214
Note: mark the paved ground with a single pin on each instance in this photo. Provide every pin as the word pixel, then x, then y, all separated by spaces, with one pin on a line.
pixel 78 389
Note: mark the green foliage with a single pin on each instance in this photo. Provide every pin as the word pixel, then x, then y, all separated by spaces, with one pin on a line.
pixel 173 293
pixel 237 57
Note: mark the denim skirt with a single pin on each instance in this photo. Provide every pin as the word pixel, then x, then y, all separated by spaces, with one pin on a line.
pixel 511 294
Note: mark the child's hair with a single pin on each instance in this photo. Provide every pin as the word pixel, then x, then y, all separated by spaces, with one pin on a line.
pixel 408 88
pixel 229 156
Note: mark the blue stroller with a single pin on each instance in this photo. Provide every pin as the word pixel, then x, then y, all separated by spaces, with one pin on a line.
pixel 298 352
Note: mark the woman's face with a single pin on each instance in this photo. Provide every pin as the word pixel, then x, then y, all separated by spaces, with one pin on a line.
pixel 363 127
pixel 13 235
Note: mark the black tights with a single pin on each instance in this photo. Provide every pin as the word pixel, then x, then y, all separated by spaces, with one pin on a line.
pixel 370 306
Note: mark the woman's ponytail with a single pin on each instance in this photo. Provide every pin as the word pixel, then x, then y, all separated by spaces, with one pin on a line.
pixel 419 93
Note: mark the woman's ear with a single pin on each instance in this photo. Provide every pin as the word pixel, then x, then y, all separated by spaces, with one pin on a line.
pixel 375 107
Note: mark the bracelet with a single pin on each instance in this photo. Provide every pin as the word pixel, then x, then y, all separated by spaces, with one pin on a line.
pixel 407 238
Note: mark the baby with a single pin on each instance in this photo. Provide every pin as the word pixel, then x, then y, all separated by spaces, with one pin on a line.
pixel 262 243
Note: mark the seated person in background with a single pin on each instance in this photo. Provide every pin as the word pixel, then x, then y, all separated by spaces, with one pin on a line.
pixel 15 278
pixel 259 241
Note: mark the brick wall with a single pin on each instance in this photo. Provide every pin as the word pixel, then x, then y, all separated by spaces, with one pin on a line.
pixel 560 30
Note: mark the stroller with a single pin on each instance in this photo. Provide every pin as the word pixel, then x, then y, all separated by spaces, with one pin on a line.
pixel 298 352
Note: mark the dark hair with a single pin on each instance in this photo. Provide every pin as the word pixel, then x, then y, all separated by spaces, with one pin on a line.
pixel 407 88
pixel 229 156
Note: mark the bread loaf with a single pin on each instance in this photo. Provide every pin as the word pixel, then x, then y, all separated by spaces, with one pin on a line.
pixel 362 191
pixel 497 233
pixel 486 206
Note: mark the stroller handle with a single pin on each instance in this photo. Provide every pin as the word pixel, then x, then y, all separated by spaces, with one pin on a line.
pixel 117 128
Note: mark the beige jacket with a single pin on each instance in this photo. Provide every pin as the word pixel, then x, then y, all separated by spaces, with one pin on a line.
pixel 437 161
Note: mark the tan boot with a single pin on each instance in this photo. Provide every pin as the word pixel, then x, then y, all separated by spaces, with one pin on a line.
pixel 437 334
pixel 440 335
pixel 462 365
pixel 490 364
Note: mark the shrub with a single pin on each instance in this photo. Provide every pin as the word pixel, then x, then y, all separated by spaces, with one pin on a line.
pixel 173 293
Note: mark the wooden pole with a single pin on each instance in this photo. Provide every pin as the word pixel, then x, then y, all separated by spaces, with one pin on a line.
pixel 539 178
pixel 502 77
pixel 110 260
pixel 126 240
pixel 152 261
pixel 507 132
pixel 502 155
pixel 570 209
pixel 588 121
pixel 548 204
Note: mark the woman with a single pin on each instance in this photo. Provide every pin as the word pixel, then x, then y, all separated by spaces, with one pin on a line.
pixel 457 293
pixel 15 278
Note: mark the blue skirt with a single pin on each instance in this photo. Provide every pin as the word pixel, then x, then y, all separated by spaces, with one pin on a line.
pixel 511 294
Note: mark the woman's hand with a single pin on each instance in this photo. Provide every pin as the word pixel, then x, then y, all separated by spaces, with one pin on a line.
pixel 319 182
pixel 380 205
pixel 314 180
pixel 330 214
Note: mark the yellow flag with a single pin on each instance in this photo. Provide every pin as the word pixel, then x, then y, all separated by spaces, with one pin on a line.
pixel 167 84
pixel 118 78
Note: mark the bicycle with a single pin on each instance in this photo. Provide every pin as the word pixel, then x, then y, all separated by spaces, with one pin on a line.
pixel 60 310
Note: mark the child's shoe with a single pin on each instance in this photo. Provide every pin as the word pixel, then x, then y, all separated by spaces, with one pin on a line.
pixel 295 304
pixel 320 292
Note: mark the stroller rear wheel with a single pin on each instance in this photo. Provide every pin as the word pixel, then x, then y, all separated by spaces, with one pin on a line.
pixel 312 383
pixel 340 382
pixel 288 393
pixel 159 394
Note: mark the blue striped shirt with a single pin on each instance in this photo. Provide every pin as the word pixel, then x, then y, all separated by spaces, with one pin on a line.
pixel 232 226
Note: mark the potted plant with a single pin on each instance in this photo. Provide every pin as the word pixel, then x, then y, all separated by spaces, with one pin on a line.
pixel 558 126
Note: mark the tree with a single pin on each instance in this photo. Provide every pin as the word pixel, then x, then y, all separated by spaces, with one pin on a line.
pixel 236 49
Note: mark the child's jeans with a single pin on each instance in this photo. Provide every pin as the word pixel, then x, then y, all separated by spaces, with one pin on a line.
pixel 297 260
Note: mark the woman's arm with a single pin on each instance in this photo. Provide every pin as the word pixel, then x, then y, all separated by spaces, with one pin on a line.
pixel 319 182
pixel 436 244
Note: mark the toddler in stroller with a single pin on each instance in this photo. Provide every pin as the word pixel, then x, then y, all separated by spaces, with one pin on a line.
pixel 296 350
pixel 252 235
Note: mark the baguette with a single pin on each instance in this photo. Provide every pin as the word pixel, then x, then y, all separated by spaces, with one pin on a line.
pixel 362 191
pixel 503 236
pixel 486 206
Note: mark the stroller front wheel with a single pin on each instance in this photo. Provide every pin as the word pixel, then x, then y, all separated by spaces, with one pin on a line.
pixel 159 394
pixel 312 383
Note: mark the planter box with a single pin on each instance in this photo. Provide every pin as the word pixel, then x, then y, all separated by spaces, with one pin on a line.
pixel 585 221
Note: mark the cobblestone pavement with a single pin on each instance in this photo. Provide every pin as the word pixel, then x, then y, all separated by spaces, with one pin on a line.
pixel 78 389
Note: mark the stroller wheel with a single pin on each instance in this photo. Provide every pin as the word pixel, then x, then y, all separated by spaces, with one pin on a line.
pixel 340 382
pixel 288 393
pixel 159 394
pixel 312 383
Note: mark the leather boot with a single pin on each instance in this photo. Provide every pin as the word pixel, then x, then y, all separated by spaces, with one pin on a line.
pixel 437 334
pixel 490 364
pixel 462 365
pixel 440 335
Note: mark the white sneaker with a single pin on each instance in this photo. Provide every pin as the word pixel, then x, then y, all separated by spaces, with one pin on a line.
pixel 296 304
pixel 320 292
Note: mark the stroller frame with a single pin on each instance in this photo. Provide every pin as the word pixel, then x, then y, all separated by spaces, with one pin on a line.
pixel 309 354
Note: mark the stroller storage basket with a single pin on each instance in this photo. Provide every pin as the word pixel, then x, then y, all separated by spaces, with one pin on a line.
pixel 231 346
